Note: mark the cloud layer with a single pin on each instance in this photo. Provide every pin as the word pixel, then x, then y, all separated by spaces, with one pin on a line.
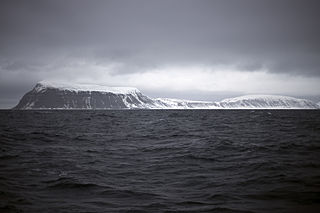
pixel 208 46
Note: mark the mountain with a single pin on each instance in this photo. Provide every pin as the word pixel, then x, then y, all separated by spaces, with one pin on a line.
pixel 50 95
pixel 267 102
pixel 243 102
pixel 185 104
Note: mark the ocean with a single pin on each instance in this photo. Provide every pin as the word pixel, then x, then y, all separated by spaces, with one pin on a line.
pixel 160 161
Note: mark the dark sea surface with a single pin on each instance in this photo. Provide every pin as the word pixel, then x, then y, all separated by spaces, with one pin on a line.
pixel 160 161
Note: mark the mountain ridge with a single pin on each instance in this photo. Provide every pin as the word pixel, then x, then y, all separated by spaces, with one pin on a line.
pixel 51 95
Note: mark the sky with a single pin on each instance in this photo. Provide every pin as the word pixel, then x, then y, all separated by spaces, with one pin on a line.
pixel 190 49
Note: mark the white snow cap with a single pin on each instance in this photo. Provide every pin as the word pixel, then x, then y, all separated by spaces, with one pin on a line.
pixel 85 87
pixel 175 100
pixel 268 102
pixel 262 97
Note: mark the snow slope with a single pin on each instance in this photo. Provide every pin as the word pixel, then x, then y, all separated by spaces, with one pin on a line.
pixel 267 102
pixel 171 103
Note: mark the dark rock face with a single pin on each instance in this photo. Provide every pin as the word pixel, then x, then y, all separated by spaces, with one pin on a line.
pixel 53 98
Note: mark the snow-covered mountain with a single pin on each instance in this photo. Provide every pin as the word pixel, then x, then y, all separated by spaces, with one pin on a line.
pixel 185 104
pixel 49 95
pixel 243 102
pixel 267 102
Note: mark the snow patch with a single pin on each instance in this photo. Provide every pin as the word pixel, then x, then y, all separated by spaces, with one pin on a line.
pixel 171 103
pixel 174 100
pixel 44 85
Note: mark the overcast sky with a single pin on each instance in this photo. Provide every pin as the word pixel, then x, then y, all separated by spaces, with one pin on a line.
pixel 192 49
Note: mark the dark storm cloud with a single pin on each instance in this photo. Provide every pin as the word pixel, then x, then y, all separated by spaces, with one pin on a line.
pixel 281 36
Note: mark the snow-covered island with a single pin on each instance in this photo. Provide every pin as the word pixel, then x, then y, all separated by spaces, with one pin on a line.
pixel 51 95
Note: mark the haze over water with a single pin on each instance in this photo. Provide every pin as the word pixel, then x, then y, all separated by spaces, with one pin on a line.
pixel 160 161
